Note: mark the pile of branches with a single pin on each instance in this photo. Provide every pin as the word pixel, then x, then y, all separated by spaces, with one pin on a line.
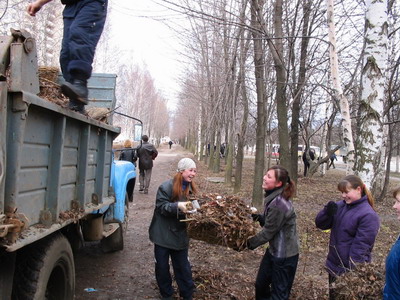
pixel 49 87
pixel 366 281
pixel 222 221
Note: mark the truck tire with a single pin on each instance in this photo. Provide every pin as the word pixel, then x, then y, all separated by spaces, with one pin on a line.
pixel 115 242
pixel 46 271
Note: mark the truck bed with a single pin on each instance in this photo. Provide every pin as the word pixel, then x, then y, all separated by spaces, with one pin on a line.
pixel 58 164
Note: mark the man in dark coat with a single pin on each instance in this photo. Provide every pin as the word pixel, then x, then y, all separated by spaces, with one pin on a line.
pixel 129 154
pixel 306 161
pixel 83 24
pixel 146 153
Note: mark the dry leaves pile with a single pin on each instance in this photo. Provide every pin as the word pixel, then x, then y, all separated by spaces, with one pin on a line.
pixel 213 284
pixel 364 282
pixel 222 221
pixel 49 87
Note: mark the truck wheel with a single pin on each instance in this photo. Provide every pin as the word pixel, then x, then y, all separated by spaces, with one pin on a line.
pixel 115 241
pixel 46 271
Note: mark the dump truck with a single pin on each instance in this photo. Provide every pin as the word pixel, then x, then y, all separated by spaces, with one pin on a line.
pixel 59 183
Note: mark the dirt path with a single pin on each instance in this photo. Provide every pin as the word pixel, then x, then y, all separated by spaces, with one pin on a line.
pixel 127 274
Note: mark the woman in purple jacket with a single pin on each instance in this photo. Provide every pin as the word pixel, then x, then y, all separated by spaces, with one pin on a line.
pixel 354 225
pixel 392 284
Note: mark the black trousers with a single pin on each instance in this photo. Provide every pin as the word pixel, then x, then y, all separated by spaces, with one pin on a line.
pixel 275 277
pixel 332 294
pixel 182 272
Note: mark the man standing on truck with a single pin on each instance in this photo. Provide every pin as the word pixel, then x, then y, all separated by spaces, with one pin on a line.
pixel 83 24
pixel 146 153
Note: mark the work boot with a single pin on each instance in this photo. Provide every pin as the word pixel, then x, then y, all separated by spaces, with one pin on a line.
pixel 77 91
pixel 76 106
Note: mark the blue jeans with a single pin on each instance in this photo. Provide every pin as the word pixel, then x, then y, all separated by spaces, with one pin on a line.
pixel 275 277
pixel 83 25
pixel 182 272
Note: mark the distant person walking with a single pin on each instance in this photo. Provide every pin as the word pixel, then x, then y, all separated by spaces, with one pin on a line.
pixel 129 154
pixel 146 153
pixel 170 144
pixel 354 225
pixel 332 159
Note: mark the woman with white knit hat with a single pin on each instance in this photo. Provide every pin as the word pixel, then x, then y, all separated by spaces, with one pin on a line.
pixel 169 234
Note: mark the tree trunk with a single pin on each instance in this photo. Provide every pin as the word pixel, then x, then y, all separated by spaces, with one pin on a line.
pixel 299 91
pixel 281 101
pixel 257 21
pixel 371 141
pixel 344 103
pixel 244 47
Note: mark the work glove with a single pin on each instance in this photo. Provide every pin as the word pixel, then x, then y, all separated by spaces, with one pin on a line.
pixel 184 206
pixel 248 244
pixel 331 208
pixel 259 217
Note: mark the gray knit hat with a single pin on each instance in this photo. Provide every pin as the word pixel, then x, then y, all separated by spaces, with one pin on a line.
pixel 185 164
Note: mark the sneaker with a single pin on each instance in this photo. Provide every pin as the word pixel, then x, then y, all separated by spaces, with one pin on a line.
pixel 77 91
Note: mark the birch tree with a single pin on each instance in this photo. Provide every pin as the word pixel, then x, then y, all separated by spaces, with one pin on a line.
pixel 371 143
pixel 338 90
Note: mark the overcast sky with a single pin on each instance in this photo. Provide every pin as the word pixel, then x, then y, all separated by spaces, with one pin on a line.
pixel 139 30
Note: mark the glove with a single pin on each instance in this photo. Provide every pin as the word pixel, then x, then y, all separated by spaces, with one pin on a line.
pixel 259 217
pixel 248 244
pixel 183 206
pixel 331 208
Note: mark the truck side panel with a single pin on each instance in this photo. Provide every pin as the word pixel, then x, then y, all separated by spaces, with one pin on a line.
pixel 56 162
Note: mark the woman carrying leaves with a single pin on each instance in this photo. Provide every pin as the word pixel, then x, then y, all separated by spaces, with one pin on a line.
pixel 278 266
pixel 169 234
pixel 354 225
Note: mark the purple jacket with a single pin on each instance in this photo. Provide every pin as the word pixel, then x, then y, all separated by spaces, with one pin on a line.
pixel 353 231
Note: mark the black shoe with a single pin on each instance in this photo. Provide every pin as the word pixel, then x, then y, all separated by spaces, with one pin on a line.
pixel 140 190
pixel 77 91
pixel 76 106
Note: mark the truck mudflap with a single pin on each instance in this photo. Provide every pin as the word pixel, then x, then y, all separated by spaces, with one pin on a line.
pixel 122 171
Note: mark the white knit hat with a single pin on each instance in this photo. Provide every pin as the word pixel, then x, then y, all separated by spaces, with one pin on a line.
pixel 185 164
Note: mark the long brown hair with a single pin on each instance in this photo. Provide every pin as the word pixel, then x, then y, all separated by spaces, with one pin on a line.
pixel 282 175
pixel 395 192
pixel 177 192
pixel 353 181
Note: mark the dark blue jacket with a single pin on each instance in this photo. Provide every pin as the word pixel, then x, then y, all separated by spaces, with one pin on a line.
pixel 392 285
pixel 353 231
